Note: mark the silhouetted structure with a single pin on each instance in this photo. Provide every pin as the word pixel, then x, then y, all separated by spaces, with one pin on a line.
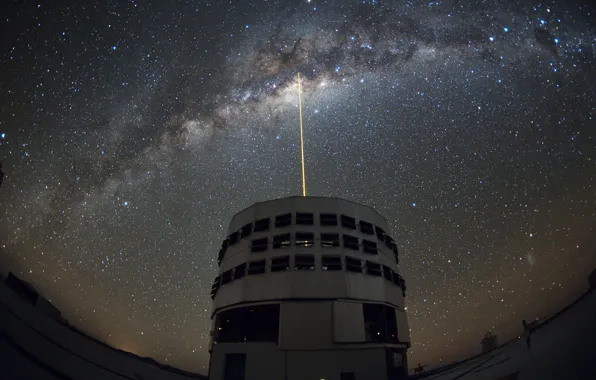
pixel 592 279
pixel 308 288
pixel 489 342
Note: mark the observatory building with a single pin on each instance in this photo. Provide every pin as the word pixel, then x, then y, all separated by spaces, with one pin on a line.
pixel 308 288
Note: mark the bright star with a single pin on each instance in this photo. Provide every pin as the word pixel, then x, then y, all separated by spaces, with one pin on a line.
pixel 506 29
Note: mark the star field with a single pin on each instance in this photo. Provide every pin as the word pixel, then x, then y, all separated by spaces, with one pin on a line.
pixel 131 132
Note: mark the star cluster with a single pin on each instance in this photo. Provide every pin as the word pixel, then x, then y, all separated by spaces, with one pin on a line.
pixel 132 131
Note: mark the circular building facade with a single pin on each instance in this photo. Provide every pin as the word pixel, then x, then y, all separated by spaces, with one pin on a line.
pixel 308 288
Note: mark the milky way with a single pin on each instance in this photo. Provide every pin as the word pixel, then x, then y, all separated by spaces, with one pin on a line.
pixel 131 132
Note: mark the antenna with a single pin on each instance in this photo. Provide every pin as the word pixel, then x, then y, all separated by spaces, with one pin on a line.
pixel 301 137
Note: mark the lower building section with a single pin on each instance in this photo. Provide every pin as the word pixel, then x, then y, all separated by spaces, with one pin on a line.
pixel 264 361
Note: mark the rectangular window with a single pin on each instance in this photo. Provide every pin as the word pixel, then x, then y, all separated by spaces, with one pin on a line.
pixel 262 225
pixel 351 242
pixel 390 324
pixel 240 271
pixel 331 262
pixel 259 245
pixel 353 264
pixel 369 247
pixel 305 239
pixel 246 231
pixel 379 232
pixel 348 222
pixel 374 322
pixel 395 277
pixel 281 241
pixel 305 218
pixel 329 240
pixel 256 267
pixel 347 376
pixel 248 324
pixel 395 252
pixel 328 219
pixel 280 264
pixel 366 228
pixel 233 238
pixel 222 251
pixel 283 220
pixel 215 286
pixel 235 367
pixel 388 241
pixel 374 269
pixel 304 262
pixel 227 276
pixel 387 273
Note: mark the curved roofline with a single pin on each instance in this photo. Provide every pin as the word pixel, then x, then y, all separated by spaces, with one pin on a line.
pixel 300 196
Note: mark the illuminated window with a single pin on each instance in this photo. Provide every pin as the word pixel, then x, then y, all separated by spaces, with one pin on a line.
pixel 351 242
pixel 329 240
pixel 305 218
pixel 369 246
pixel 280 264
pixel 353 264
pixel 259 245
pixel 366 228
pixel 304 262
pixel 328 219
pixel 305 239
pixel 348 222
pixel 262 225
pixel 256 267
pixel 331 262
pixel 283 220
pixel 281 241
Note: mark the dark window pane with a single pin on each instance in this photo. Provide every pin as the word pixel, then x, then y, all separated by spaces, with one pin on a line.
pixel 248 324
pixel 280 264
pixel 374 322
pixel 235 368
pixel 374 269
pixel 369 247
pixel 233 239
pixel 347 376
pixel 387 273
pixel 366 228
pixel 215 286
pixel 227 276
pixel 329 240
pixel 283 220
pixel 328 219
pixel 353 264
pixel 331 262
pixel 246 231
pixel 262 225
pixel 304 262
pixel 388 241
pixel 348 222
pixel 240 271
pixel 395 277
pixel 305 218
pixel 222 251
pixel 281 241
pixel 259 245
pixel 256 267
pixel 351 242
pixel 391 324
pixel 379 232
pixel 305 239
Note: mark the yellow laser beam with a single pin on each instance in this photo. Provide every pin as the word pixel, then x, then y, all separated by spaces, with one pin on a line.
pixel 301 137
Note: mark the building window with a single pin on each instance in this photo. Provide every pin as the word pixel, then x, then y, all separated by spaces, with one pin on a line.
pixel 305 239
pixel 280 264
pixel 222 251
pixel 259 245
pixel 328 219
pixel 235 367
pixel 366 228
pixel 262 225
pixel 374 322
pixel 329 240
pixel 351 242
pixel 353 264
pixel 390 324
pixel 305 218
pixel 240 271
pixel 304 262
pixel 331 262
pixel 387 273
pixel 389 241
pixel 347 376
pixel 395 278
pixel 395 253
pixel 283 220
pixel 374 269
pixel 369 246
pixel 246 231
pixel 248 324
pixel 215 286
pixel 379 232
pixel 233 239
pixel 256 267
pixel 227 277
pixel 348 222
pixel 281 241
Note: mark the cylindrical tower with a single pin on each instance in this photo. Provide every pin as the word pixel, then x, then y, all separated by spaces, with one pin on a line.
pixel 308 288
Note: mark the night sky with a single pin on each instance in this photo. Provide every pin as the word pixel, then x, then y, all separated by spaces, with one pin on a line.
pixel 131 132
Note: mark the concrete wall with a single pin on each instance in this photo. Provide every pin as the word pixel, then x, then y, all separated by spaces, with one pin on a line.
pixel 35 346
